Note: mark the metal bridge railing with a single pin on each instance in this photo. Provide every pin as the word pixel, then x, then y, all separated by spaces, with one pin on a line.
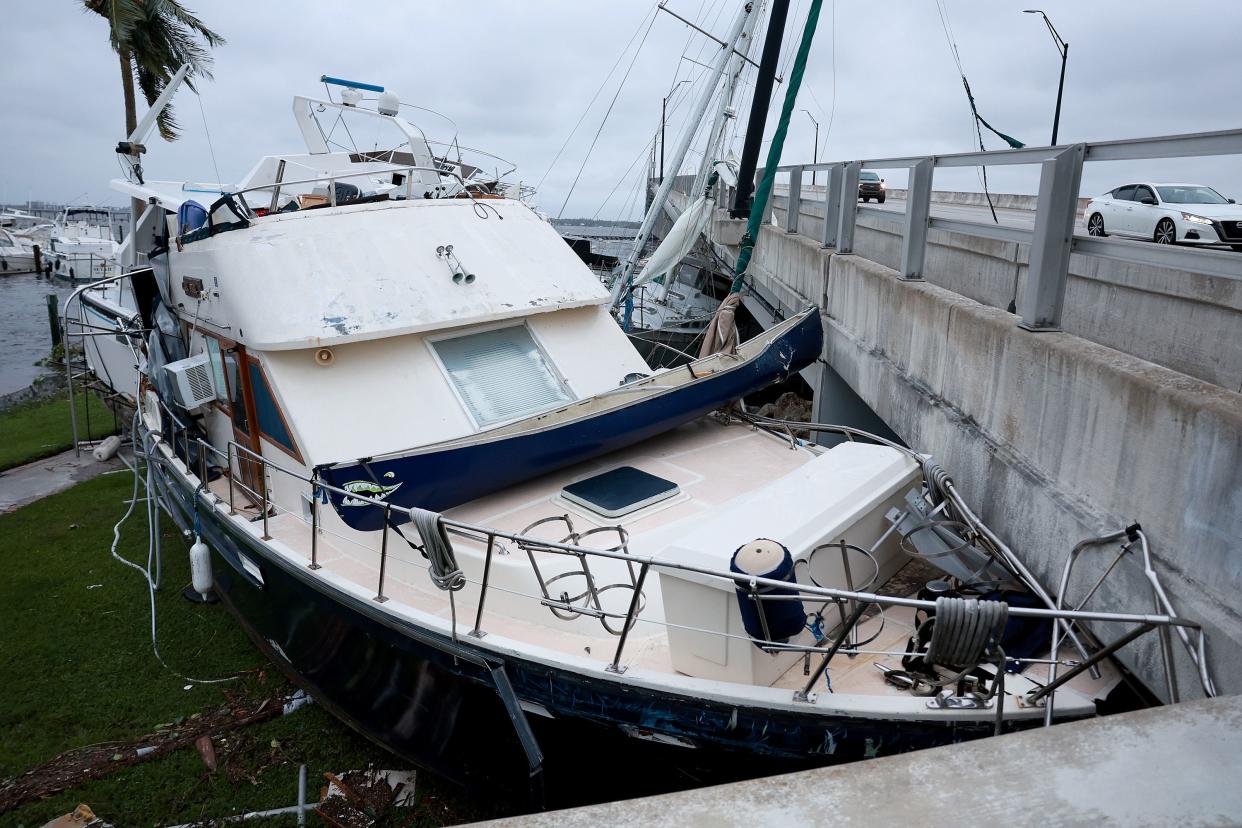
pixel 1052 239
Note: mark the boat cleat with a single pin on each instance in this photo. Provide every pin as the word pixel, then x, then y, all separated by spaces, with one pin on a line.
pixel 944 700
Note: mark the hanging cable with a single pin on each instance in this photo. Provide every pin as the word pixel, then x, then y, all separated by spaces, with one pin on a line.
pixel 210 148
pixel 977 120
pixel 607 113
pixel 152 546
pixel 594 97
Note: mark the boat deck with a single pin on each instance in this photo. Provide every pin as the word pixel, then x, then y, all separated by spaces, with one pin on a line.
pixel 708 477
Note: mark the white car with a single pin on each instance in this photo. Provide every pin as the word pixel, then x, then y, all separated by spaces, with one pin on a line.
pixel 1167 214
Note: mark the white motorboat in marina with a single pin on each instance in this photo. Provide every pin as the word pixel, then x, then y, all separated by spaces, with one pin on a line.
pixel 16 254
pixel 440 488
pixel 82 247
pixel 26 226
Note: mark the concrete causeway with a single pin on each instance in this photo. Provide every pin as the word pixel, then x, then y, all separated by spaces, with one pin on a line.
pixel 1162 766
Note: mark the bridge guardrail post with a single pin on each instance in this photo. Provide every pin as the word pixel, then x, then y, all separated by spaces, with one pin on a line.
pixel 767 208
pixel 849 208
pixel 918 212
pixel 832 205
pixel 793 205
pixel 1056 210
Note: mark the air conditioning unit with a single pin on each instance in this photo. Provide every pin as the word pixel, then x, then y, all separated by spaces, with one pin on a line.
pixel 193 381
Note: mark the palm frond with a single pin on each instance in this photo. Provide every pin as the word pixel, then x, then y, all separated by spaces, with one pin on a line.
pixel 160 36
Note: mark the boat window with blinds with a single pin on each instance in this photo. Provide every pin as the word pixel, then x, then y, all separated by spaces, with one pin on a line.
pixel 500 374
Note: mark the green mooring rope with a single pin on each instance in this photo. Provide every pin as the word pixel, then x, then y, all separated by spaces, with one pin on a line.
pixel 764 190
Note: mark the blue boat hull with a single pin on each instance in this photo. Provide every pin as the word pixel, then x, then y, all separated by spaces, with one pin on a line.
pixel 439 480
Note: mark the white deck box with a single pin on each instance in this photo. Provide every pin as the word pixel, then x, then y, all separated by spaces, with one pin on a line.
pixel 843 494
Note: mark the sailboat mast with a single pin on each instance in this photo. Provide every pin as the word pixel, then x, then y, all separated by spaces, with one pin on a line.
pixel 679 154
pixel 759 108
pixel 733 78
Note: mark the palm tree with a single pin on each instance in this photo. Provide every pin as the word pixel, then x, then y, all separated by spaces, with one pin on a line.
pixel 153 39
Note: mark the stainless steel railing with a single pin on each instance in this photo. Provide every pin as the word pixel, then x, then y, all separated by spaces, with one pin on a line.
pixel 1163 619
pixel 75 327
pixel 330 179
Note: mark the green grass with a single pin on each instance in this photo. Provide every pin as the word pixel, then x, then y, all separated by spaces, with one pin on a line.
pixel 41 428
pixel 76 668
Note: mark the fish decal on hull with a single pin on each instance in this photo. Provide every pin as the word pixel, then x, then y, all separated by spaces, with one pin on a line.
pixel 375 491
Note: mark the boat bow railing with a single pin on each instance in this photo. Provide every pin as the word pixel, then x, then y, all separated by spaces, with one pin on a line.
pixel 840 641
pixel 331 179
pixel 75 327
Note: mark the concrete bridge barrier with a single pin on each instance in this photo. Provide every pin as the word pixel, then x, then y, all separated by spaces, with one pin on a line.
pixel 1189 322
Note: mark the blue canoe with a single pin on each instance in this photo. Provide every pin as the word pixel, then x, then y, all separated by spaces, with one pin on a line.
pixel 451 473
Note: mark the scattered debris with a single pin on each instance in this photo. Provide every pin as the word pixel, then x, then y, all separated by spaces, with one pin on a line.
pixel 360 798
pixel 299 809
pixel 297 701
pixel 73 767
pixel 207 750
pixel 81 817
pixel 788 406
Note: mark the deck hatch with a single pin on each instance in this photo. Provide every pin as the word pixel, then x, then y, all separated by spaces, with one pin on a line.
pixel 620 491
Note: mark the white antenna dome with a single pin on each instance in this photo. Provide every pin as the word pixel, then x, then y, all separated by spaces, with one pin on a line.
pixel 387 103
pixel 351 96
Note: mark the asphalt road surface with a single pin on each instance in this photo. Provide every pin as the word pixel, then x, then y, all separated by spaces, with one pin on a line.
pixel 1009 217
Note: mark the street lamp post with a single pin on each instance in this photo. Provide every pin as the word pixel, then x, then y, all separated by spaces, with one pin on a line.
pixel 815 149
pixel 663 118
pixel 1063 48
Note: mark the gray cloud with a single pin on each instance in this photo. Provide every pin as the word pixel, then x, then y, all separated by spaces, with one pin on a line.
pixel 516 77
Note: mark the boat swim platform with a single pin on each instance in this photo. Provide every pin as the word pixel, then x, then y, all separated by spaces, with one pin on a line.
pixel 1173 765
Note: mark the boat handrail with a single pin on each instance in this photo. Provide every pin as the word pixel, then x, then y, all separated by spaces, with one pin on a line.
pixel 333 177
pixel 67 332
pixel 860 600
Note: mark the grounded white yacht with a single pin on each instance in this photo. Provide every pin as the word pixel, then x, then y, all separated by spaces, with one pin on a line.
pixel 440 488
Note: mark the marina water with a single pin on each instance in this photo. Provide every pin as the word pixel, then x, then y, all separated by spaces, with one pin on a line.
pixel 25 334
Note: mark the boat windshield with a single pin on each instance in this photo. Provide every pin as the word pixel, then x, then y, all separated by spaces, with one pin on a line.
pixel 1191 195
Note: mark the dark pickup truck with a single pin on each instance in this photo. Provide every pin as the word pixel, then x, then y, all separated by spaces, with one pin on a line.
pixel 870 186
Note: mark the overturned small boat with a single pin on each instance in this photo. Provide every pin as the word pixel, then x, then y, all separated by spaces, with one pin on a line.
pixel 445 494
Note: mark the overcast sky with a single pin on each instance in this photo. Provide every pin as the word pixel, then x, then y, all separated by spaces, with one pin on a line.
pixel 517 76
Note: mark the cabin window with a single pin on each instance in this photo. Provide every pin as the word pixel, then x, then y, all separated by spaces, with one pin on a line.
pixel 271 423
pixel 501 374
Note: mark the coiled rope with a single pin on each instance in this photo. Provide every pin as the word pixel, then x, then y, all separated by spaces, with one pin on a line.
pixel 966 631
pixel 444 571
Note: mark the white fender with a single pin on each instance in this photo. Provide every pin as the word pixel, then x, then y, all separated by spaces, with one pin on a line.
pixel 200 566
pixel 107 448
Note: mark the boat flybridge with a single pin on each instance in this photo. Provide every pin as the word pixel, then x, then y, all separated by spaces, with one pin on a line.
pixel 440 488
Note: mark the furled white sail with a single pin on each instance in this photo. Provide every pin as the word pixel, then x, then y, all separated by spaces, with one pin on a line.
pixel 717 71
pixel 678 243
